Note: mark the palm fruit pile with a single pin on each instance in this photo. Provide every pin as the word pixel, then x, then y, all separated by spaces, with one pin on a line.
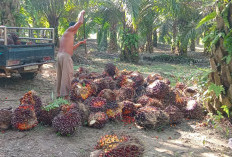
pixel 119 145
pixel 5 118
pixel 129 97
pixel 112 95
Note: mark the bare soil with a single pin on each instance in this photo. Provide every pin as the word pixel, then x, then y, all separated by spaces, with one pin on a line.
pixel 185 140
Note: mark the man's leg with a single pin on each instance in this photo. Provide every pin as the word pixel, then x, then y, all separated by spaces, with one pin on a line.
pixel 67 76
pixel 59 74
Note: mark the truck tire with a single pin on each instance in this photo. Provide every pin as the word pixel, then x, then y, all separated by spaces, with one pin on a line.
pixel 29 75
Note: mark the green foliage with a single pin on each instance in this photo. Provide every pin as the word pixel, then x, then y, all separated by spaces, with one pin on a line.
pixel 207 18
pixel 216 89
pixel 228 45
pixel 55 104
pixel 130 40
pixel 226 110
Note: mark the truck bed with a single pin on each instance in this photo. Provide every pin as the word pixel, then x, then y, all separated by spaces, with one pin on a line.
pixel 26 54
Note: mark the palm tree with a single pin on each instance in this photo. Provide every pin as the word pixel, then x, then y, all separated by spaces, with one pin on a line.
pixel 9 8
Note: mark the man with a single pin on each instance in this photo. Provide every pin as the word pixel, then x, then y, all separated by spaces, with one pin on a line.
pixel 65 63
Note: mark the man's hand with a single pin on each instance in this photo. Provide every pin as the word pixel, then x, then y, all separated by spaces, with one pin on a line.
pixel 84 41
pixel 81 17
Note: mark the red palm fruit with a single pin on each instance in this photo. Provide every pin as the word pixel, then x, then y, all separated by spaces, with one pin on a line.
pixel 24 117
pixel 97 104
pixel 193 110
pixel 110 69
pixel 108 94
pixel 169 98
pixel 175 114
pixel 152 78
pixel 151 117
pixel 157 89
pixel 32 98
pixel 5 118
pixel 126 93
pixel 97 120
pixel 67 122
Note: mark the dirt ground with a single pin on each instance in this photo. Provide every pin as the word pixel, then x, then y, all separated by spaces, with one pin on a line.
pixel 186 139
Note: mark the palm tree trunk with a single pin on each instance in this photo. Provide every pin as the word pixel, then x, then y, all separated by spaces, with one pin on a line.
pixel 113 38
pixel 149 40
pixel 54 23
pixel 174 32
pixel 222 70
pixel 192 46
pixel 8 12
pixel 155 37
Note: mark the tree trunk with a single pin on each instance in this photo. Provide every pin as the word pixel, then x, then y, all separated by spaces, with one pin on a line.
pixel 8 12
pixel 198 41
pixel 113 46
pixel 54 23
pixel 174 32
pixel 221 75
pixel 129 49
pixel 192 46
pixel 155 38
pixel 149 45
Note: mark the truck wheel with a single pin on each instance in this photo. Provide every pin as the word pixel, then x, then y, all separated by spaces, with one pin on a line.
pixel 28 76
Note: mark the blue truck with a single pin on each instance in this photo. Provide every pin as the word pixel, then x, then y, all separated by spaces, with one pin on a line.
pixel 25 51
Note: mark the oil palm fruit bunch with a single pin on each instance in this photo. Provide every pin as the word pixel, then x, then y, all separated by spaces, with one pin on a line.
pixel 32 98
pixel 175 114
pixel 81 71
pixel 152 78
pixel 5 118
pixel 128 111
pixel 169 98
pixel 51 110
pixel 110 69
pixel 180 85
pixel 126 93
pixel 151 118
pixel 181 99
pixel 24 117
pixel 67 121
pixel 114 114
pixel 100 84
pixel 124 81
pixel 137 78
pixel 97 104
pixel 110 83
pixel 97 119
pixel 157 89
pixel 193 110
pixel 108 94
pixel 145 101
pixel 120 145
pixel 82 90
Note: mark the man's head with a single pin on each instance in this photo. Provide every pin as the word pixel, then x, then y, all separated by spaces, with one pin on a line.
pixel 71 24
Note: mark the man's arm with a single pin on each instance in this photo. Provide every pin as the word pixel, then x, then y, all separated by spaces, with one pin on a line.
pixel 78 44
pixel 78 24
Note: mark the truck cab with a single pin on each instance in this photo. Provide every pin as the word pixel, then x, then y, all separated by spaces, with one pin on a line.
pixel 24 50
